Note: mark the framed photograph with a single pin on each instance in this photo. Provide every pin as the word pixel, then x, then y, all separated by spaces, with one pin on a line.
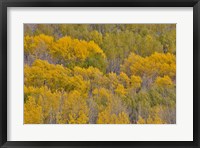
pixel 99 73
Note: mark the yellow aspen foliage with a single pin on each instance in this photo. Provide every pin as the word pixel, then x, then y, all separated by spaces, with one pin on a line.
pixel 155 120
pixel 43 38
pixel 103 118
pixel 60 119
pixel 28 44
pixel 112 119
pixel 107 102
pixel 93 76
pixel 47 100
pixel 130 61
pixel 123 118
pixel 75 108
pixel 150 120
pixel 113 80
pixel 42 73
pixel 158 64
pixel 72 118
pixel 56 77
pixel 37 45
pixel 106 118
pixel 135 82
pixel 99 73
pixel 76 83
pixel 141 120
pixel 94 48
pixel 31 91
pixel 50 103
pixel 82 118
pixel 96 37
pixel 154 116
pixel 103 97
pixel 89 73
pixel 67 49
pixel 124 79
pixel 164 82
pixel 120 90
pixel 32 112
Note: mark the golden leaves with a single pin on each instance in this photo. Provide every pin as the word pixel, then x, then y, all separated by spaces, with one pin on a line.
pixel 102 78
pixel 32 112
pixel 106 118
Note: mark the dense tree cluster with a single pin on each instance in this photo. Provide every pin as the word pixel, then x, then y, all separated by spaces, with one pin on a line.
pixel 100 74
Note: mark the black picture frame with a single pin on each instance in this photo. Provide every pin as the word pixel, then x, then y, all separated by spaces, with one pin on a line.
pixel 4 4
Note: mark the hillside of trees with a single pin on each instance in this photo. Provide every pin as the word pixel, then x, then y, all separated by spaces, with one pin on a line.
pixel 99 73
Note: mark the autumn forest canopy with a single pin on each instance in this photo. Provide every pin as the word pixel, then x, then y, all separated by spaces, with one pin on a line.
pixel 99 73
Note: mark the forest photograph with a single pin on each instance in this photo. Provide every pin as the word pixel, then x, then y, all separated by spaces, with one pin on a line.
pixel 99 74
